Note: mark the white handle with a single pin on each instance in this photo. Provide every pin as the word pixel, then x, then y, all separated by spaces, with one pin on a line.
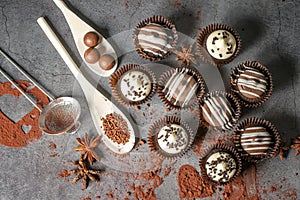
pixel 61 5
pixel 58 46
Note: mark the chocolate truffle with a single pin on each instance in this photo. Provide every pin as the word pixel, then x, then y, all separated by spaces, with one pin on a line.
pixel 154 38
pixel 172 138
pixel 221 44
pixel 91 55
pixel 220 167
pixel 219 110
pixel 221 164
pixel 91 39
pixel 251 82
pixel 256 139
pixel 135 85
pixel 181 87
pixel 218 44
pixel 106 62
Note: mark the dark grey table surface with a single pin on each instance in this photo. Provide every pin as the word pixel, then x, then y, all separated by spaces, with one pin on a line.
pixel 269 31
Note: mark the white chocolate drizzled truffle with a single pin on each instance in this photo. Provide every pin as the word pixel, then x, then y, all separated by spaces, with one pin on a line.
pixel 153 39
pixel 221 44
pixel 135 85
pixel 172 138
pixel 256 140
pixel 251 83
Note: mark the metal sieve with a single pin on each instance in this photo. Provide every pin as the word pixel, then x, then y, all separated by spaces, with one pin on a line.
pixel 59 116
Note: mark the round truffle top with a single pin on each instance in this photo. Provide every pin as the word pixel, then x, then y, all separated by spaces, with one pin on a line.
pixel 135 85
pixel 256 140
pixel 181 88
pixel 172 138
pixel 221 167
pixel 221 44
pixel 251 83
pixel 153 39
pixel 218 112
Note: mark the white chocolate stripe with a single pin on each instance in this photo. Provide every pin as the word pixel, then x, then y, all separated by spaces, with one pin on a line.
pixel 257 153
pixel 254 128
pixel 256 134
pixel 252 84
pixel 153 52
pixel 246 140
pixel 252 77
pixel 256 148
pixel 175 83
pixel 153 30
pixel 216 113
pixel 183 88
pixel 256 143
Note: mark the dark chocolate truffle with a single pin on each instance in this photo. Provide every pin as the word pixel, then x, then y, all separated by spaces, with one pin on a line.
pixel 91 55
pixel 251 82
pixel 91 39
pixel 256 140
pixel 219 110
pixel 106 62
pixel 181 87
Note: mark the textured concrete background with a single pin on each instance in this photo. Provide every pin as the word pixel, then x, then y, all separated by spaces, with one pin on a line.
pixel 269 31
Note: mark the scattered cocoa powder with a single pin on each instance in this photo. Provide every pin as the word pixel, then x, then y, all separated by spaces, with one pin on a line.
pixel 12 134
pixel 126 5
pixel 87 198
pixel 116 128
pixel 64 174
pixel 52 145
pixel 109 195
pixel 272 189
pixel 167 172
pixel 54 155
pixel 98 197
pixel 177 4
pixel 137 107
pixel 192 185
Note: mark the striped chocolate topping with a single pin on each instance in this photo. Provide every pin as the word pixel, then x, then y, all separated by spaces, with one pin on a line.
pixel 251 83
pixel 217 111
pixel 153 39
pixel 181 88
pixel 256 140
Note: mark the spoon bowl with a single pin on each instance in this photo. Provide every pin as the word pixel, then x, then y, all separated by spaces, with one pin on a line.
pixel 79 29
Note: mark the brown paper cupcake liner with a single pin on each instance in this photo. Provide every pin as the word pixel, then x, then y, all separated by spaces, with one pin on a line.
pixel 235 104
pixel 221 147
pixel 116 77
pixel 153 140
pixel 166 23
pixel 254 121
pixel 247 102
pixel 167 75
pixel 201 44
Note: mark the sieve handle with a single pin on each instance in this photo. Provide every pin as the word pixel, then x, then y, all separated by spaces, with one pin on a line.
pixel 26 75
pixel 20 90
pixel 58 46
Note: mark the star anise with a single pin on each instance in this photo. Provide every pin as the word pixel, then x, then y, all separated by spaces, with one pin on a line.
pixel 82 172
pixel 87 147
pixel 186 56
pixel 296 145
pixel 282 150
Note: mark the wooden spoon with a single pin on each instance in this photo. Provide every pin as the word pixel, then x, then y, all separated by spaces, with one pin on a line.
pixel 98 104
pixel 79 29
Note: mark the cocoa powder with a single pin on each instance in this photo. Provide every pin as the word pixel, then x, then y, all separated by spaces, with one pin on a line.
pixel 12 134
